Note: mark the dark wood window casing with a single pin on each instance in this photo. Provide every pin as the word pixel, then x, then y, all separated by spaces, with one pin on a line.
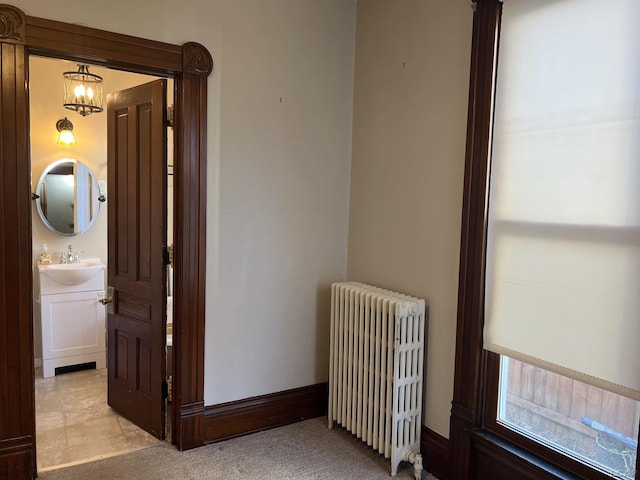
pixel 480 447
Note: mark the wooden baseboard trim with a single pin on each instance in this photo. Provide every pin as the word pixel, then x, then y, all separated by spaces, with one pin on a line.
pixel 435 453
pixel 17 460
pixel 241 417
pixel 250 415
pixel 188 429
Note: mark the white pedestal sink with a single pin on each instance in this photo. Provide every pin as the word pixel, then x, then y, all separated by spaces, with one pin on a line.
pixel 72 317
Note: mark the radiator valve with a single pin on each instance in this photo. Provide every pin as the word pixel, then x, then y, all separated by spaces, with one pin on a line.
pixel 416 460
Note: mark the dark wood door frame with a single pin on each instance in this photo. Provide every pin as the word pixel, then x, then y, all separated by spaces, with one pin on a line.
pixel 190 65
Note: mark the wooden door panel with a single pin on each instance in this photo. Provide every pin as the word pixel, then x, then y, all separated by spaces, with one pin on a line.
pixel 135 373
pixel 144 191
pixel 130 306
pixel 144 380
pixel 134 226
pixel 137 237
pixel 133 358
pixel 120 222
pixel 121 356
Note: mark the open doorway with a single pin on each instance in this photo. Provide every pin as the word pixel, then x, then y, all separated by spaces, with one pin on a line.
pixel 73 421
pixel 190 64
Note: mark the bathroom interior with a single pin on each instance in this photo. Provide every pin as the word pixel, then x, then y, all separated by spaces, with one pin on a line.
pixel 73 421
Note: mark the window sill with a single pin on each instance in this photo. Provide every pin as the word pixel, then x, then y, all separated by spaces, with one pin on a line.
pixel 514 459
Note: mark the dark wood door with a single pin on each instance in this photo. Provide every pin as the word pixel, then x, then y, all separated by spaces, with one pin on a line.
pixel 137 237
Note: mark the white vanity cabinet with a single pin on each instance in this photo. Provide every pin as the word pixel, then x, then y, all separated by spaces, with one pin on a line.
pixel 72 317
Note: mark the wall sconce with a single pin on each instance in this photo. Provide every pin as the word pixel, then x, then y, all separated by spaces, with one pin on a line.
pixel 82 91
pixel 65 127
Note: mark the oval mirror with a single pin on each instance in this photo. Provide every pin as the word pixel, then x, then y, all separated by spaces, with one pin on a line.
pixel 68 197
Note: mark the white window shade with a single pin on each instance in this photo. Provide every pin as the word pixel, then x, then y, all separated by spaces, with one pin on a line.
pixel 563 248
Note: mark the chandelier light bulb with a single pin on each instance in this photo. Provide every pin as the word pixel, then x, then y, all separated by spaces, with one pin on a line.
pixel 79 91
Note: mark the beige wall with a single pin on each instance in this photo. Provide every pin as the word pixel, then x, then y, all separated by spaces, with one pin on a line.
pixel 278 216
pixel 279 147
pixel 410 105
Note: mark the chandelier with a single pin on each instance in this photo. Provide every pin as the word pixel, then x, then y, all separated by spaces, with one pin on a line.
pixel 82 91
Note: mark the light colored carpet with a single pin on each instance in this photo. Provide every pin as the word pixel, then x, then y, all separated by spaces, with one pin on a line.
pixel 303 451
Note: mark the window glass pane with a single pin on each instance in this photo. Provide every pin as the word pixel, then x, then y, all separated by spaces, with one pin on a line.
pixel 592 425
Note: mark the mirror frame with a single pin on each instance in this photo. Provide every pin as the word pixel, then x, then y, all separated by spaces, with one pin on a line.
pixel 94 184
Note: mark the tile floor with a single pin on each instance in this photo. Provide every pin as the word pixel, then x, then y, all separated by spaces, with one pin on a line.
pixel 75 424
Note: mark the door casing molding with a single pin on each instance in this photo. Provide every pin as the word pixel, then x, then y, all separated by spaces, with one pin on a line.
pixel 190 65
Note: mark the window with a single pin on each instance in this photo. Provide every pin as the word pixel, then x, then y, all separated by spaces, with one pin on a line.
pixel 563 235
pixel 586 423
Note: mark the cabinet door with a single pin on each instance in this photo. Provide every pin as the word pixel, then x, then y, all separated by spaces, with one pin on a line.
pixel 72 324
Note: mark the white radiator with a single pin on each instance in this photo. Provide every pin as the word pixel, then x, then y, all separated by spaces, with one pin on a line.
pixel 375 369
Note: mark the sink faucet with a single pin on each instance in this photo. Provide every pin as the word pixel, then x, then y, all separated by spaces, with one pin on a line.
pixel 72 257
